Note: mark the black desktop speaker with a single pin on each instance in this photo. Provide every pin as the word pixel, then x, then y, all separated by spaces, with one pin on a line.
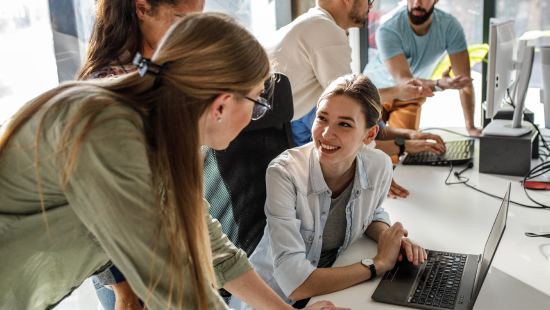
pixel 507 155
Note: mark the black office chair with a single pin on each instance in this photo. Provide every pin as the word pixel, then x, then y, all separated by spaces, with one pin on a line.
pixel 234 179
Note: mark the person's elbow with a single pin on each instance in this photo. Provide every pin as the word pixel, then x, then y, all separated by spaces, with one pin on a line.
pixel 300 293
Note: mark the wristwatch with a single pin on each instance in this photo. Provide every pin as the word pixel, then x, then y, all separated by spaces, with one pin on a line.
pixel 437 87
pixel 367 262
pixel 401 143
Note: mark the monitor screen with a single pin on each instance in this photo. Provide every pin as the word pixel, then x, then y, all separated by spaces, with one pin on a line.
pixel 502 52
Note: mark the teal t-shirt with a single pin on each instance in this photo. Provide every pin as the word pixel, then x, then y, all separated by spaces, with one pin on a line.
pixel 422 52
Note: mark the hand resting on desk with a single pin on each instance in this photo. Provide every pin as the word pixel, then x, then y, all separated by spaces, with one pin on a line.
pixel 397 190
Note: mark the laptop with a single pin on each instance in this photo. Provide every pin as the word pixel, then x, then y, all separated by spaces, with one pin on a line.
pixel 458 152
pixel 446 280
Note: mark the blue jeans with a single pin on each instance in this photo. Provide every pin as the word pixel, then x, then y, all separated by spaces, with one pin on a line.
pixel 106 296
pixel 301 128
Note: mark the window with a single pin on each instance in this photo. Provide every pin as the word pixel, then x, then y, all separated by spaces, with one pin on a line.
pixel 43 43
pixel 530 15
pixel 27 53
pixel 258 16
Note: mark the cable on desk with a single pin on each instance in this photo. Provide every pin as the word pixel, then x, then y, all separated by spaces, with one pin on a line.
pixel 530 234
pixel 465 180
pixel 447 130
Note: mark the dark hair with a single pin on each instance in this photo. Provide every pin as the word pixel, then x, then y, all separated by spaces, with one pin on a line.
pixel 116 30
pixel 360 88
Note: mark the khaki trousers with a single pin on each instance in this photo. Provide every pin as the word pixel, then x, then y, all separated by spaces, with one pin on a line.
pixel 403 114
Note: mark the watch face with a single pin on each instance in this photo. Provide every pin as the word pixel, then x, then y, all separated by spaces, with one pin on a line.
pixel 400 141
pixel 367 262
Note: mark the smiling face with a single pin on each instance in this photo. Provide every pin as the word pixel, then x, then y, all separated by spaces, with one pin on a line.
pixel 340 130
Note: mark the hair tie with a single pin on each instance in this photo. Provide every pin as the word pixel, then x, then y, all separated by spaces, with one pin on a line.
pixel 144 64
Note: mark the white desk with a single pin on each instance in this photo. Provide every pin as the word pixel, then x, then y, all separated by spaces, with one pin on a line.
pixel 458 219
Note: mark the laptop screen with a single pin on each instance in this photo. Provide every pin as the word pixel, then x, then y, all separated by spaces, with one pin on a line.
pixel 491 245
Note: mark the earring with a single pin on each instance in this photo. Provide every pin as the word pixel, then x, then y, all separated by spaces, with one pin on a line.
pixel 219 119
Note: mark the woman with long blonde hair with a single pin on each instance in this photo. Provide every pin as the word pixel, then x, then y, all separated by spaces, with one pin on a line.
pixel 122 29
pixel 111 170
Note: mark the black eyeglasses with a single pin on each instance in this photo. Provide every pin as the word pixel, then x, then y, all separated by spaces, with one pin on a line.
pixel 371 2
pixel 260 108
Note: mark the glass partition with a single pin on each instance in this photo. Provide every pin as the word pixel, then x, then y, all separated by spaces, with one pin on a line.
pixel 27 53
pixel 531 20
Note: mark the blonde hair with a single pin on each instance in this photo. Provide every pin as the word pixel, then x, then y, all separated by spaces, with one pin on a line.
pixel 211 54
pixel 358 87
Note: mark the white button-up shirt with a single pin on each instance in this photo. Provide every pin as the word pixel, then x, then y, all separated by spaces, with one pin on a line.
pixel 297 207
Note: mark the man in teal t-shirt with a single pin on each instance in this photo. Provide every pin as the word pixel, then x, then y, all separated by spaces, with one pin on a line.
pixel 411 44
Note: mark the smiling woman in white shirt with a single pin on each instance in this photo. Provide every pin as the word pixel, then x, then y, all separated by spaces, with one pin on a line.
pixel 324 195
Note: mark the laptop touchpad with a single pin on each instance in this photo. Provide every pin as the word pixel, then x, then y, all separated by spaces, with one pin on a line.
pixel 398 282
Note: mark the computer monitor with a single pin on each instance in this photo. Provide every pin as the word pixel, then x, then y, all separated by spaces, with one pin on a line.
pixel 509 70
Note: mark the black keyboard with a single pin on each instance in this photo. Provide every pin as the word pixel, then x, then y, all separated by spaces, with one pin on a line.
pixel 439 283
pixel 458 153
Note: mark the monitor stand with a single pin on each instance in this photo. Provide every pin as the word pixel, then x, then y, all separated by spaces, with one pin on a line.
pixel 500 127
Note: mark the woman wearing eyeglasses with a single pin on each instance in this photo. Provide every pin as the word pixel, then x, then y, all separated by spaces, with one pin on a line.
pixel 111 170
pixel 324 195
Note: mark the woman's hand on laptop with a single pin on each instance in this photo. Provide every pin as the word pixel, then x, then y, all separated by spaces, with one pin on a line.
pixel 415 253
pixel 389 247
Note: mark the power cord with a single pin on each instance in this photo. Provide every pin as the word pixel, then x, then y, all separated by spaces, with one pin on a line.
pixel 465 180
pixel 530 234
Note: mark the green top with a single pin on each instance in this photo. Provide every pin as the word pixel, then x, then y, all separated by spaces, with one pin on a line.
pixel 106 211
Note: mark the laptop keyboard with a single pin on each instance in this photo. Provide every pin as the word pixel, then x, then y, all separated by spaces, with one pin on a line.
pixel 439 283
pixel 458 152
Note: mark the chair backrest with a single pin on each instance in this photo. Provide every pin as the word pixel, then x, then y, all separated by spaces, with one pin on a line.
pixel 234 179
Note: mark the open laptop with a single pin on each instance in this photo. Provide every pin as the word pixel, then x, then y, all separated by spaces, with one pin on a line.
pixel 446 280
pixel 458 152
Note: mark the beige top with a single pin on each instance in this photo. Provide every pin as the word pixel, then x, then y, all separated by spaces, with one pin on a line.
pixel 312 51
pixel 106 211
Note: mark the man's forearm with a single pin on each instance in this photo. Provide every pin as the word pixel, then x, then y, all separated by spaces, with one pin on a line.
pixel 467 100
pixel 388 146
pixel 429 83
pixel 391 133
pixel 252 290
pixel 388 94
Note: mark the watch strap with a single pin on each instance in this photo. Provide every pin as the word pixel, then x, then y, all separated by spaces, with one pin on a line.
pixel 372 271
pixel 401 143
pixel 370 264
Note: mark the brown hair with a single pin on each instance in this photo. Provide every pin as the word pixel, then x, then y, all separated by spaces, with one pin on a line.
pixel 115 32
pixel 360 88
pixel 211 54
